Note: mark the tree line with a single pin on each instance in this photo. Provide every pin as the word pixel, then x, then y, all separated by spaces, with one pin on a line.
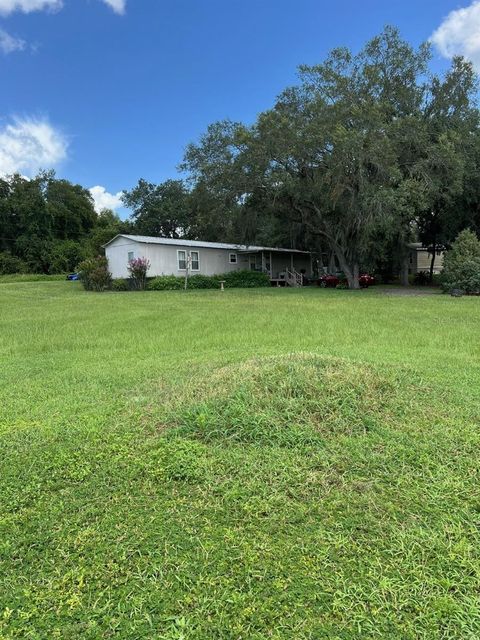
pixel 365 154
pixel 49 225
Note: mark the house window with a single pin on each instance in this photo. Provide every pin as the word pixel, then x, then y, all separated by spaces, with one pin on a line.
pixel 182 260
pixel 131 256
pixel 195 260
pixel 232 258
pixel 191 259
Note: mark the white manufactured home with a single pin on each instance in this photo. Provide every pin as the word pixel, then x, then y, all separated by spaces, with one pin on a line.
pixel 169 256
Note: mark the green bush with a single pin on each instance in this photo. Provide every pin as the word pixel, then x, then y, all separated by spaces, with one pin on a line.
pixel 245 279
pixel 202 282
pixel 462 264
pixel 94 274
pixel 11 264
pixel 421 279
pixel 165 283
pixel 120 284
pixel 233 280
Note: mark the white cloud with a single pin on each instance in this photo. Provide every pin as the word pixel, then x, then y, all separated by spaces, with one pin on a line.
pixel 27 6
pixel 118 6
pixel 459 34
pixel 105 200
pixel 9 44
pixel 29 144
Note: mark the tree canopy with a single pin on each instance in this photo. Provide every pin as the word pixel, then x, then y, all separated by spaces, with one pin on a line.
pixel 49 225
pixel 367 148
pixel 159 210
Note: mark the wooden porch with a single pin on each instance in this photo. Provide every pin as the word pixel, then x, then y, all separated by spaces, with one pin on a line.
pixel 279 264
pixel 290 278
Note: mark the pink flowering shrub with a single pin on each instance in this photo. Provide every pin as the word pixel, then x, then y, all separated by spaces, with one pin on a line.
pixel 138 268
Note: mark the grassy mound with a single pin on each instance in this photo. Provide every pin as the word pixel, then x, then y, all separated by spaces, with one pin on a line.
pixel 292 400
pixel 296 497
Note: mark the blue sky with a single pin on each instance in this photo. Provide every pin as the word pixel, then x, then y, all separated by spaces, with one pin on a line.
pixel 109 91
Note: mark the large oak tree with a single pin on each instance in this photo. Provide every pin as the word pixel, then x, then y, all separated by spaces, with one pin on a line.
pixel 362 150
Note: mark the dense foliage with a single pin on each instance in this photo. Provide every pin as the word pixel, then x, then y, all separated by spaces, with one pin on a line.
pixel 159 210
pixel 48 225
pixel 233 279
pixel 462 264
pixel 95 275
pixel 367 151
pixel 11 264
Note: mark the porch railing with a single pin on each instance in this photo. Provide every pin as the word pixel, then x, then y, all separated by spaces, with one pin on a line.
pixel 293 278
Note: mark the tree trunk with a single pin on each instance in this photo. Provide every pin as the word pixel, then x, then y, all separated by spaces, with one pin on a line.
pixel 432 261
pixel 331 263
pixel 404 281
pixel 356 276
pixel 352 275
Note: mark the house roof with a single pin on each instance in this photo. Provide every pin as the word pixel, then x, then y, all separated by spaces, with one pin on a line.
pixel 201 243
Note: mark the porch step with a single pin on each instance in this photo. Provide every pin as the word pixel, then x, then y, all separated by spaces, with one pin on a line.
pixel 292 279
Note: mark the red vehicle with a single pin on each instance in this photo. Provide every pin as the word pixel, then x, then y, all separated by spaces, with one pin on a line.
pixel 366 280
pixel 328 280
pixel 331 281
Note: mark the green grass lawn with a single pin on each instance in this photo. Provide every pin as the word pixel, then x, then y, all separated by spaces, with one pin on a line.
pixel 251 464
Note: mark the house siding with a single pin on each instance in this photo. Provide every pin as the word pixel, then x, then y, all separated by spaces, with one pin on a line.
pixel 164 261
pixel 163 258
pixel 117 255
pixel 424 259
pixel 420 260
